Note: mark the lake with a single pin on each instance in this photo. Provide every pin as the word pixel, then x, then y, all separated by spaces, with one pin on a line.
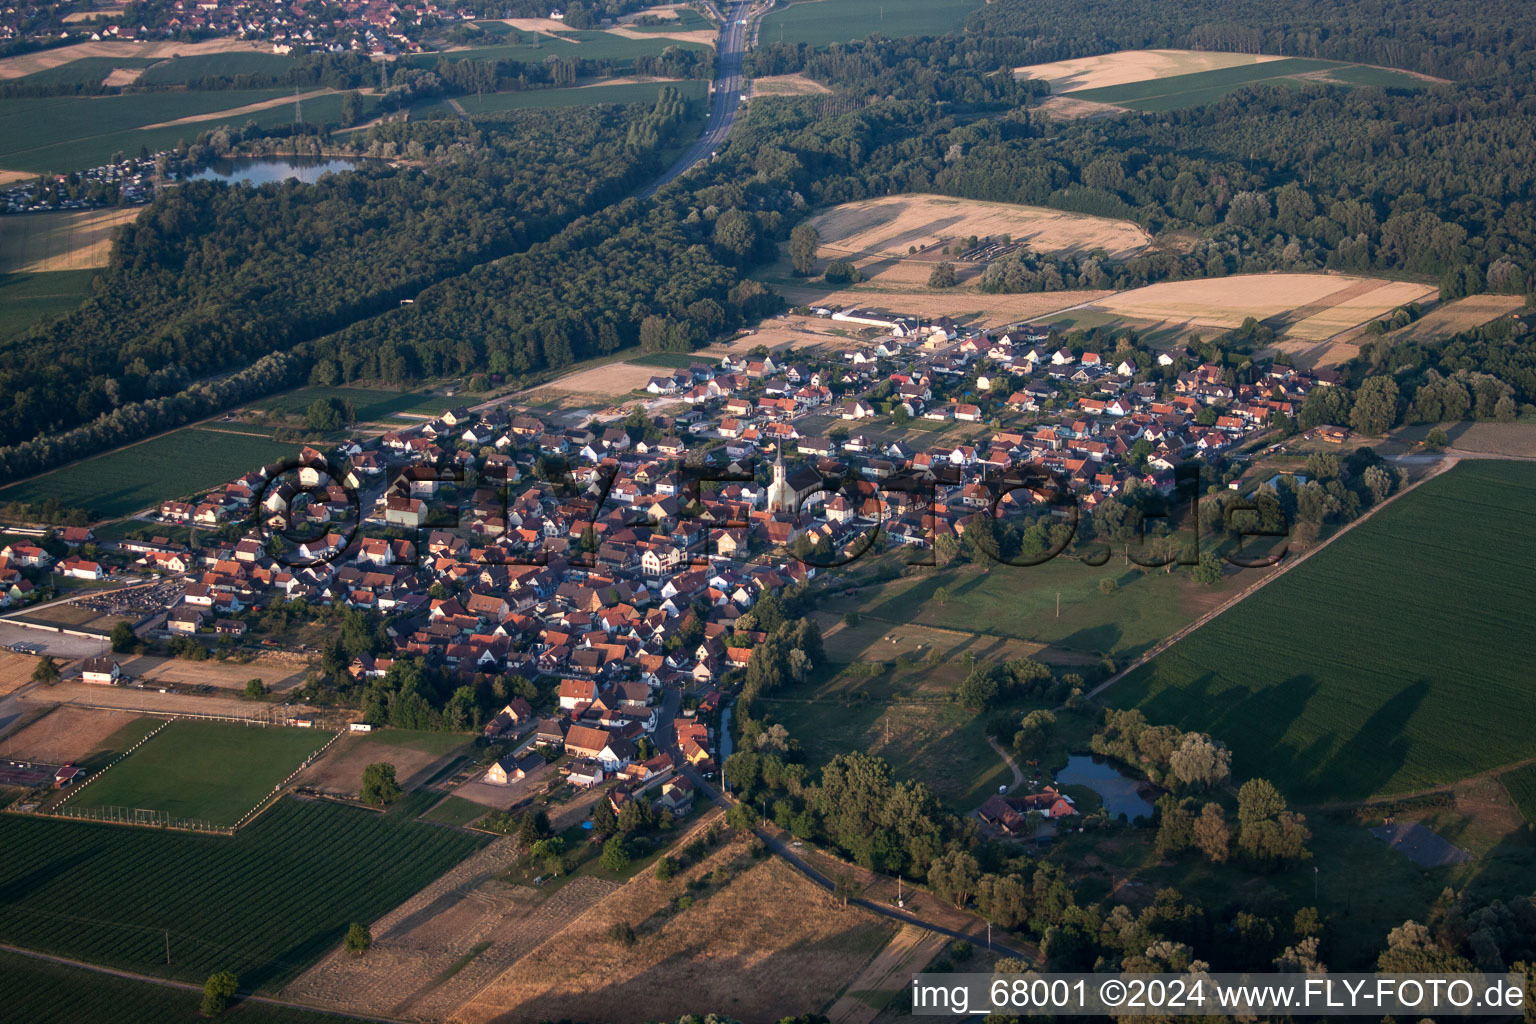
pixel 1121 793
pixel 262 170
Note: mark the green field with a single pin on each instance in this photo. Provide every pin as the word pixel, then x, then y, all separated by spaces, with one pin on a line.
pixel 84 70
pixel 28 299
pixel 264 904
pixel 585 45
pixel 641 92
pixel 1393 661
pixel 822 22
pixel 182 70
pixel 143 475
pixel 455 810
pixel 687 20
pixel 64 133
pixel 370 403
pixel 1521 786
pixel 1172 93
pixel 43 992
pixel 206 771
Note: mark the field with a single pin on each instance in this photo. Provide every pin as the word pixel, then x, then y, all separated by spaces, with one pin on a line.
pixel 143 475
pixel 890 225
pixel 44 992
pixel 263 904
pixel 611 380
pixel 1208 86
pixel 984 310
pixel 207 771
pixel 340 771
pixel 227 675
pixel 65 133
pixel 588 45
pixel 764 945
pixel 1328 690
pixel 28 299
pixel 70 240
pixel 1521 786
pixel 1127 66
pixel 87 70
pixel 15 671
pixel 373 405
pixel 1304 307
pixel 633 92
pixel 821 22
pixel 184 70
pixel 122 53
pixel 787 85
pixel 1451 318
pixel 68 735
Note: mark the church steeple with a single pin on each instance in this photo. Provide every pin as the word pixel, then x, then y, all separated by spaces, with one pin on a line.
pixel 780 498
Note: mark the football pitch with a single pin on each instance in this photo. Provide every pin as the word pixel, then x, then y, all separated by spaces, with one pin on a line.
pixel 205 771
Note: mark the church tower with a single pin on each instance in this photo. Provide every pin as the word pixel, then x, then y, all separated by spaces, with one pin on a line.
pixel 780 497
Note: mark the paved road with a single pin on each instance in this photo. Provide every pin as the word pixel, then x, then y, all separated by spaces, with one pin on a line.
pixel 726 101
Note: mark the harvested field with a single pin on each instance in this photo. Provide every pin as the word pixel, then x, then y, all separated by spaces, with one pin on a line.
pixel 122 76
pixel 985 310
pixel 723 951
pixel 611 380
pixel 1514 439
pixel 891 225
pixel 1133 66
pixel 884 977
pixel 8 177
pixel 703 36
pixel 1306 307
pixel 15 671
pixel 787 85
pixel 225 675
pixel 1068 108
pixel 43 60
pixel 414 755
pixel 69 240
pixel 1451 318
pixel 543 26
pixel 249 108
pixel 67 735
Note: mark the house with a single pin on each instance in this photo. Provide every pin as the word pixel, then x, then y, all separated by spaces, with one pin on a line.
pixel 100 671
pixel 516 713
pixel 509 769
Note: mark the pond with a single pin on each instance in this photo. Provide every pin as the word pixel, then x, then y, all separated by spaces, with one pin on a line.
pixel 262 170
pixel 1121 793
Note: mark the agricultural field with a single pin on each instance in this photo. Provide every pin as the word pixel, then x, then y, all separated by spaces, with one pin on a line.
pixel 787 85
pixel 892 225
pixel 206 771
pixel 62 133
pixel 1520 784
pixel 1202 87
pixel 29 299
pixel 605 382
pixel 721 950
pixel 373 405
pixel 340 771
pixel 87 70
pixel 822 22
pixel 143 475
pixel 1320 685
pixel 1302 307
pixel 188 70
pixel 45 992
pixel 1131 66
pixel 1451 318
pixel 631 92
pixel 587 45
pixel 124 54
pixel 982 310
pixel 69 240
pixel 264 903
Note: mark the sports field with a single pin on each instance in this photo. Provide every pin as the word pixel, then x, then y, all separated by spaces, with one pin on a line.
pixel 264 903
pixel 821 22
pixel 66 240
pixel 143 475
pixel 206 771
pixel 1322 685
pixel 892 225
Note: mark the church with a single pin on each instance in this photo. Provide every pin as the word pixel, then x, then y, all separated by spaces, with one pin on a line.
pixel 788 490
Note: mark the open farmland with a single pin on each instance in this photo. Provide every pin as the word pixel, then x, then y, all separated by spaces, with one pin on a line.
pixel 1520 784
pixel 1305 307
pixel 143 475
pixel 1189 90
pixel 610 380
pixel 1451 318
pixel 29 299
pixel 631 92
pixel 68 240
pixel 1319 684
pixel 821 22
pixel 1127 66
pixel 187 70
pixel 24 64
pixel 586 44
pixel 982 310
pixel 891 225
pixel 264 903
pixel 45 992
pixel 765 944
pixel 206 771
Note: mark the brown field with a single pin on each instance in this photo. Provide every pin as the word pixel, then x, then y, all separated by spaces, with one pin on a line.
pixel 66 735
pixel 1067 108
pixel 888 226
pixel 968 307
pixel 1451 318
pixel 611 380
pixel 223 674
pixel 1133 66
pixel 787 85
pixel 8 177
pixel 16 670
pixel 42 60
pixel 68 240
pixel 543 26
pixel 876 640
pixel 1304 307
pixel 884 977
pixel 340 771
pixel 707 36
pixel 123 76
pixel 736 950
pixel 122 698
pixel 249 108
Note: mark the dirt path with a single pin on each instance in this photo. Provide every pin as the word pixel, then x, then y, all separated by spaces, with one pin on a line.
pixel 1018 776
pixel 906 954
pixel 249 108
pixel 1279 571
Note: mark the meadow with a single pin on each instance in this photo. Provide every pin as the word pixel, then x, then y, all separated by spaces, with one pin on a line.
pixel 264 903
pixel 822 22
pixel 207 771
pixel 43 992
pixel 143 475
pixel 1323 686
pixel 28 299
